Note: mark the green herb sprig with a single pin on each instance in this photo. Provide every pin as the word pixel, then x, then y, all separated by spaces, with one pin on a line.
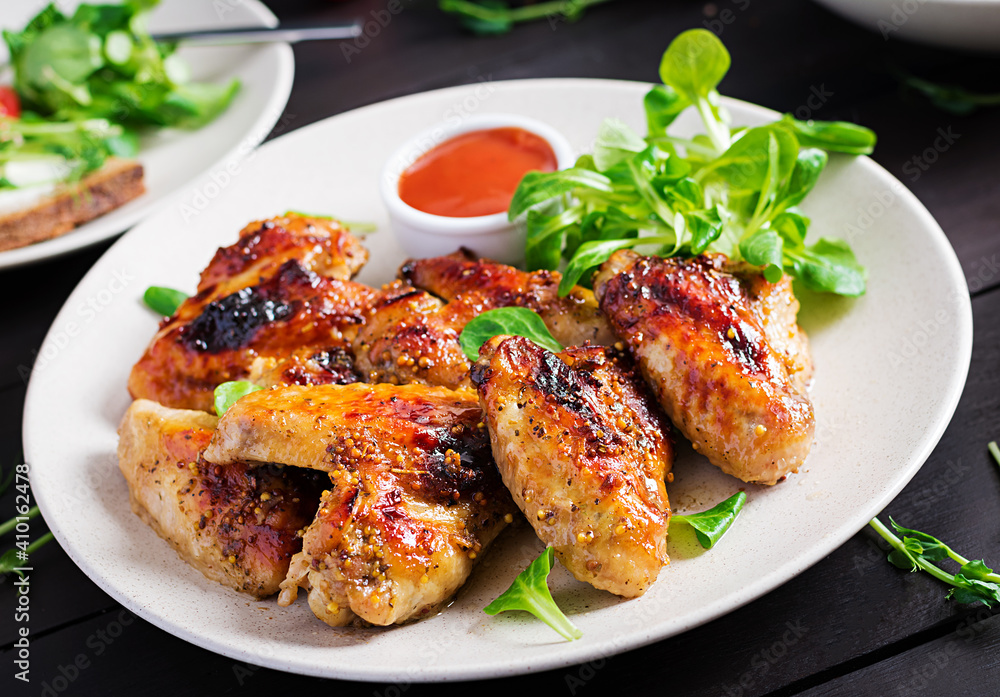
pixel 530 592
pixel 490 17
pixel 9 561
pixel 730 190
pixel 917 551
pixel 951 98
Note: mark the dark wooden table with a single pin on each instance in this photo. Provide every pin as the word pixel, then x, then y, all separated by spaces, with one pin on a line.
pixel 851 625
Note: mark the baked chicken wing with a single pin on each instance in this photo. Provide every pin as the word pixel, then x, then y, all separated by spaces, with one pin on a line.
pixel 584 451
pixel 236 524
pixel 414 500
pixel 720 347
pixel 320 245
pixel 573 320
pixel 412 336
pixel 275 307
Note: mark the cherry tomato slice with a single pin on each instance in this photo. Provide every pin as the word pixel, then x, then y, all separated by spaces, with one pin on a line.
pixel 10 103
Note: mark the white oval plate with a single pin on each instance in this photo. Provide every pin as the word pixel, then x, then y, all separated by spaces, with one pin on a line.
pixel 173 159
pixel 890 368
pixel 964 24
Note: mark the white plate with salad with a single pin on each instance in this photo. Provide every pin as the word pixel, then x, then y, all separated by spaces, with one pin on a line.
pixel 247 85
pixel 890 367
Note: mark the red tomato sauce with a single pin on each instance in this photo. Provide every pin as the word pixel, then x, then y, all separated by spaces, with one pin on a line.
pixel 475 173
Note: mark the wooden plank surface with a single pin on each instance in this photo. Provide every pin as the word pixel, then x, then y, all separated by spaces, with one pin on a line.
pixel 850 625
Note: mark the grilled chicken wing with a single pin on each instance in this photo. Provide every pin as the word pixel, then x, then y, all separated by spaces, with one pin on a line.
pixel 320 245
pixel 584 450
pixel 236 524
pixel 573 320
pixel 415 496
pixel 723 354
pixel 412 337
pixel 286 305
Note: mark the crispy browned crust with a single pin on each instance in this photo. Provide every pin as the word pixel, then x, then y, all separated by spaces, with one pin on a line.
pixel 721 350
pixel 110 187
pixel 484 285
pixel 584 451
pixel 276 307
pixel 414 498
pixel 237 524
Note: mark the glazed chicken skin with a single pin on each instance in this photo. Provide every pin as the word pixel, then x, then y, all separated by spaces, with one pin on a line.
pixel 584 451
pixel 320 245
pixel 415 498
pixel 573 320
pixel 238 525
pixel 276 307
pixel 721 350
pixel 412 336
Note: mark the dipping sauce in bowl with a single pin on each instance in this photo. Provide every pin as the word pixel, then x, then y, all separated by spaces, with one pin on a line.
pixel 475 173
pixel 450 186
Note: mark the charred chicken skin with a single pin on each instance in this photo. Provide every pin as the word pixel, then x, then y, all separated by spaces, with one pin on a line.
pixel 584 451
pixel 276 307
pixel 236 524
pixel 414 500
pixel 720 347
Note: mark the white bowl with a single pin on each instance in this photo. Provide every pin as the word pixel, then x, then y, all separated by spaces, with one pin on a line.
pixel 492 236
pixel 962 24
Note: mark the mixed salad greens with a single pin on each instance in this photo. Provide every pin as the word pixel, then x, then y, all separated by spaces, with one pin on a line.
pixel 734 190
pixel 85 86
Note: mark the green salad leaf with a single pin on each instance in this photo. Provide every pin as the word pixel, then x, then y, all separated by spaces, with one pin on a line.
pixel 709 526
pixel 517 321
pixel 228 393
pixel 694 65
pixel 530 592
pixel 595 253
pixel 832 136
pixel 729 190
pixel 162 300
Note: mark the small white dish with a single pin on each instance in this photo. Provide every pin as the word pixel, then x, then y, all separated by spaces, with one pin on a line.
pixel 491 236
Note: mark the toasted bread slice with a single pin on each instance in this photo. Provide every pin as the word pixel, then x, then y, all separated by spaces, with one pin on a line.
pixel 103 190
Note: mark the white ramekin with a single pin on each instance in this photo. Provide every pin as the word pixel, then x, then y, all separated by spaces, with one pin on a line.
pixel 492 236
